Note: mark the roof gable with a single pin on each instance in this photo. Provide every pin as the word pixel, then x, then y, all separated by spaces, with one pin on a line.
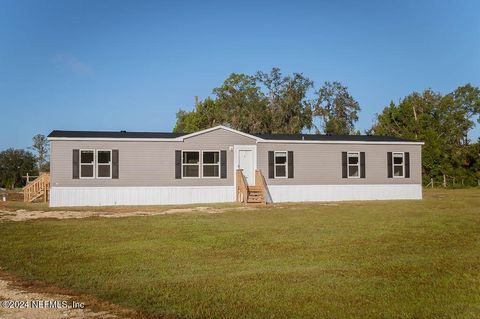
pixel 220 127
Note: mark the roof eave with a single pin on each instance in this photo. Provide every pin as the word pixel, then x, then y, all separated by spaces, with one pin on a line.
pixel 124 139
pixel 343 142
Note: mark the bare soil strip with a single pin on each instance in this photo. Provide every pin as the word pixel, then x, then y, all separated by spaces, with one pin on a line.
pixel 24 215
pixel 17 303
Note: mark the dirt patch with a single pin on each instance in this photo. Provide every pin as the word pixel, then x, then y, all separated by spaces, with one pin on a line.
pixel 24 215
pixel 16 302
pixel 12 195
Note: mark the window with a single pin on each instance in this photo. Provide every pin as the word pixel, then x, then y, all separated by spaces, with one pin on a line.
pixel 87 164
pixel 353 161
pixel 398 165
pixel 104 163
pixel 190 164
pixel 211 164
pixel 280 164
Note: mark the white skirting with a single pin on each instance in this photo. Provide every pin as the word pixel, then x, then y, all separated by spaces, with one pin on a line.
pixel 305 193
pixel 110 196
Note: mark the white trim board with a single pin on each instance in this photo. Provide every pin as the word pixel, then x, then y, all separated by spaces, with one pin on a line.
pixel 220 127
pixel 237 148
pixel 318 193
pixel 113 196
pixel 117 139
pixel 339 142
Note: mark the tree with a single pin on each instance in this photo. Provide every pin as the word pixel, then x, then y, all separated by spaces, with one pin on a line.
pixel 207 113
pixel 288 110
pixel 464 105
pixel 13 165
pixel 243 104
pixel 238 103
pixel 336 108
pixel 260 103
pixel 41 147
pixel 443 123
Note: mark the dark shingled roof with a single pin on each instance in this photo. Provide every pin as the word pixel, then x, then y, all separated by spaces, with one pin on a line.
pixel 320 137
pixel 121 134
pixel 290 137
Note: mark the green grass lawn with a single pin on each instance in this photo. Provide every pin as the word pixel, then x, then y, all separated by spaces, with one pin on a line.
pixel 386 259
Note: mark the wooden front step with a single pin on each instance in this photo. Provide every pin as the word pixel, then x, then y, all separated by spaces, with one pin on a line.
pixel 254 189
pixel 255 197
pixel 251 194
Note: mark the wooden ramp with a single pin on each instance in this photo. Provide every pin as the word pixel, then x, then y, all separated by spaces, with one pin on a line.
pixel 38 189
pixel 251 194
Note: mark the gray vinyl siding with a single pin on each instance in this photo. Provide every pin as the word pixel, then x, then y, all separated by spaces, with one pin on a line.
pixel 321 164
pixel 152 163
pixel 145 163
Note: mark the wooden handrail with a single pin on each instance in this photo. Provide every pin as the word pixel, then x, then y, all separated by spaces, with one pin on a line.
pixel 260 182
pixel 37 188
pixel 242 188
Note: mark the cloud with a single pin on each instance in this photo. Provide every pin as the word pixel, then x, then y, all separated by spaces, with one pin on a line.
pixel 73 64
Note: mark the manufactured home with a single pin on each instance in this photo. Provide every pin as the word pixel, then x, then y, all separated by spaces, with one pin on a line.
pixel 221 164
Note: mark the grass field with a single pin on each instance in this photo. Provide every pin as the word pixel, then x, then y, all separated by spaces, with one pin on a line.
pixel 397 259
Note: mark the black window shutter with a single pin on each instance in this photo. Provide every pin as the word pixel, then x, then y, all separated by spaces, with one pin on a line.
pixel 290 164
pixel 407 164
pixel 271 168
pixel 362 164
pixel 76 166
pixel 389 165
pixel 344 164
pixel 178 164
pixel 115 165
pixel 223 164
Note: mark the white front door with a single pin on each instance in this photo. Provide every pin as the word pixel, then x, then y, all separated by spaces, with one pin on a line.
pixel 245 159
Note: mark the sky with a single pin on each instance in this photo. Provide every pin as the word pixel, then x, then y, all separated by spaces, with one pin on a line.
pixel 131 65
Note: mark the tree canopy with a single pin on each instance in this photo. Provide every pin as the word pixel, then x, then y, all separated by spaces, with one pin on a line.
pixel 337 109
pixel 41 147
pixel 272 103
pixel 15 163
pixel 443 123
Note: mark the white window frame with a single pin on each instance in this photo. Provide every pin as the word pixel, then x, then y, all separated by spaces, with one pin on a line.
pixel 403 164
pixel 92 163
pixel 275 164
pixel 104 164
pixel 348 164
pixel 209 164
pixel 199 164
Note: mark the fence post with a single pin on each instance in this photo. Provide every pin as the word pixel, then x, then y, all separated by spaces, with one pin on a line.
pixel 444 181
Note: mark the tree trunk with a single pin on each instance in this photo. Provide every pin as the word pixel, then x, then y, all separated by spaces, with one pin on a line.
pixel 416 121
